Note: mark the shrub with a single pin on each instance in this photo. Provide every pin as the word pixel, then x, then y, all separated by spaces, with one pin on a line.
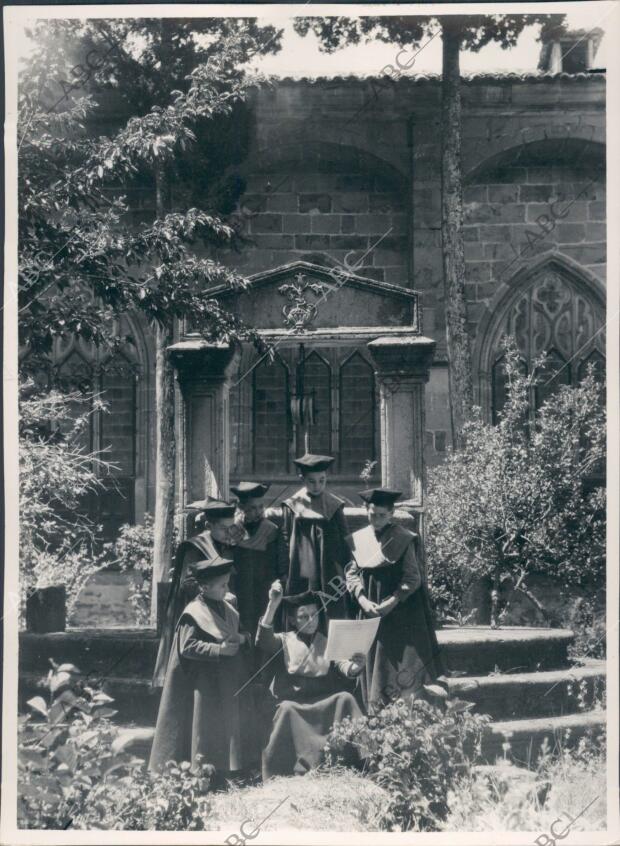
pixel 132 552
pixel 415 750
pixel 518 498
pixel 70 774
pixel 56 474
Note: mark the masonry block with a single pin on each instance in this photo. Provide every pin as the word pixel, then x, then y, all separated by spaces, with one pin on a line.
pixel 282 202
pixel 266 223
pixel 495 233
pixel 475 194
pixel 347 223
pixel 506 193
pixel 350 202
pixel 315 203
pixel 597 211
pixel 312 242
pixel 570 233
pixel 596 231
pixel 275 241
pixel 297 223
pixel 349 242
pixel 373 224
pixel 537 193
pixel 586 253
pixel 325 223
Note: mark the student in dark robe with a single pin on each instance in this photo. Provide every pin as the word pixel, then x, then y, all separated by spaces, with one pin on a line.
pixel 199 712
pixel 218 538
pixel 309 691
pixel 255 555
pixel 313 534
pixel 386 580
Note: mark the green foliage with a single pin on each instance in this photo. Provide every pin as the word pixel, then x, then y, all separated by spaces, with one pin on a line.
pixel 72 775
pixel 132 552
pixel 81 261
pixel 415 751
pixel 587 620
pixel 476 31
pixel 56 473
pixel 517 497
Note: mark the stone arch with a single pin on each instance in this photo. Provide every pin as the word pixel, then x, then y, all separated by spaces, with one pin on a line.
pixel 572 323
pixel 587 146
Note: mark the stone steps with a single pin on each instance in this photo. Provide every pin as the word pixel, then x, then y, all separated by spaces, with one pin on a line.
pixel 522 677
pixel 475 650
pixel 523 695
pixel 526 737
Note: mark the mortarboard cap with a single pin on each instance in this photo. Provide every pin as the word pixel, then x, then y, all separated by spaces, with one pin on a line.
pixel 381 496
pixel 212 508
pixel 309 597
pixel 249 490
pixel 208 568
pixel 314 463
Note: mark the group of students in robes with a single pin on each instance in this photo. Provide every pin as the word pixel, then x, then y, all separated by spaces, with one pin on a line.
pixel 242 655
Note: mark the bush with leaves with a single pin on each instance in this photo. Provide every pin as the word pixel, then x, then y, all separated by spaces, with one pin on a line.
pixel 415 750
pixel 57 472
pixel 517 497
pixel 72 773
pixel 132 552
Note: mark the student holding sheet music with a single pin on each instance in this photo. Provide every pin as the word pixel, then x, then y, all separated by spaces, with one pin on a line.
pixel 309 691
pixel 386 581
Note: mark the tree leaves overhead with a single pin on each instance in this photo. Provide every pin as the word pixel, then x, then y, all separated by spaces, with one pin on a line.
pixel 476 31
pixel 82 257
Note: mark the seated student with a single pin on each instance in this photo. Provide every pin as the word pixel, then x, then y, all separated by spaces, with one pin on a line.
pixel 386 580
pixel 308 690
pixel 199 712
pixel 218 538
pixel 313 534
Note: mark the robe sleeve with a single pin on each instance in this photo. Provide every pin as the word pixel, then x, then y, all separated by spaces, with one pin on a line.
pixel 195 648
pixel 411 578
pixel 283 545
pixel 267 640
pixel 354 580
pixel 344 667
pixel 343 531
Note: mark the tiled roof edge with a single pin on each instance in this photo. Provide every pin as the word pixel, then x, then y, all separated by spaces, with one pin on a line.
pixel 528 76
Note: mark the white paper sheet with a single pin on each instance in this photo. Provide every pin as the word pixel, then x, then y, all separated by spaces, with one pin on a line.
pixel 345 638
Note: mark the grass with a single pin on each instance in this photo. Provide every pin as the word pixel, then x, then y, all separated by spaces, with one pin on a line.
pixel 322 800
pixel 498 798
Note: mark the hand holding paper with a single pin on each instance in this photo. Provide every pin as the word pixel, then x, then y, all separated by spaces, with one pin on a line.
pixel 347 638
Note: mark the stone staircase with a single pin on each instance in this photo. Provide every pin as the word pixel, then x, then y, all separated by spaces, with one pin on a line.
pixel 521 677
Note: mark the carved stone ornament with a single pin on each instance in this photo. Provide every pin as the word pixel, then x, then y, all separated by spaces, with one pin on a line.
pixel 301 312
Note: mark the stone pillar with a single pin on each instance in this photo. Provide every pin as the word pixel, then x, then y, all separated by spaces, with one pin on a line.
pixel 402 367
pixel 203 374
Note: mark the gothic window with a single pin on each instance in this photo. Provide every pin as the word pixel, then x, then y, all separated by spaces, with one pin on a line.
pixel 79 368
pixel 271 427
pixel 555 314
pixel 357 415
pixel 317 386
pixel 117 438
pixel 267 428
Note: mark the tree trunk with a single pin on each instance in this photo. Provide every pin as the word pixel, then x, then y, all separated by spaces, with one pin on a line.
pixel 165 449
pixel 457 337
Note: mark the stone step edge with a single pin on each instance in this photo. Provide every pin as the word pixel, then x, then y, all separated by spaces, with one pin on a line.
pixel 538 725
pixel 516 730
pixel 462 684
pixel 456 684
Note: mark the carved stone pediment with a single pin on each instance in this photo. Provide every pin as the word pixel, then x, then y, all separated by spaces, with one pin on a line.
pixel 304 299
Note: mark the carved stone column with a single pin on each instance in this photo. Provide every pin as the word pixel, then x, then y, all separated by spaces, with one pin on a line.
pixel 203 373
pixel 402 367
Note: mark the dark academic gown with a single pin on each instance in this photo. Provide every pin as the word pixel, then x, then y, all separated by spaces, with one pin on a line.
pixel 255 560
pixel 198 548
pixel 314 532
pixel 199 712
pixel 309 694
pixel 405 654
